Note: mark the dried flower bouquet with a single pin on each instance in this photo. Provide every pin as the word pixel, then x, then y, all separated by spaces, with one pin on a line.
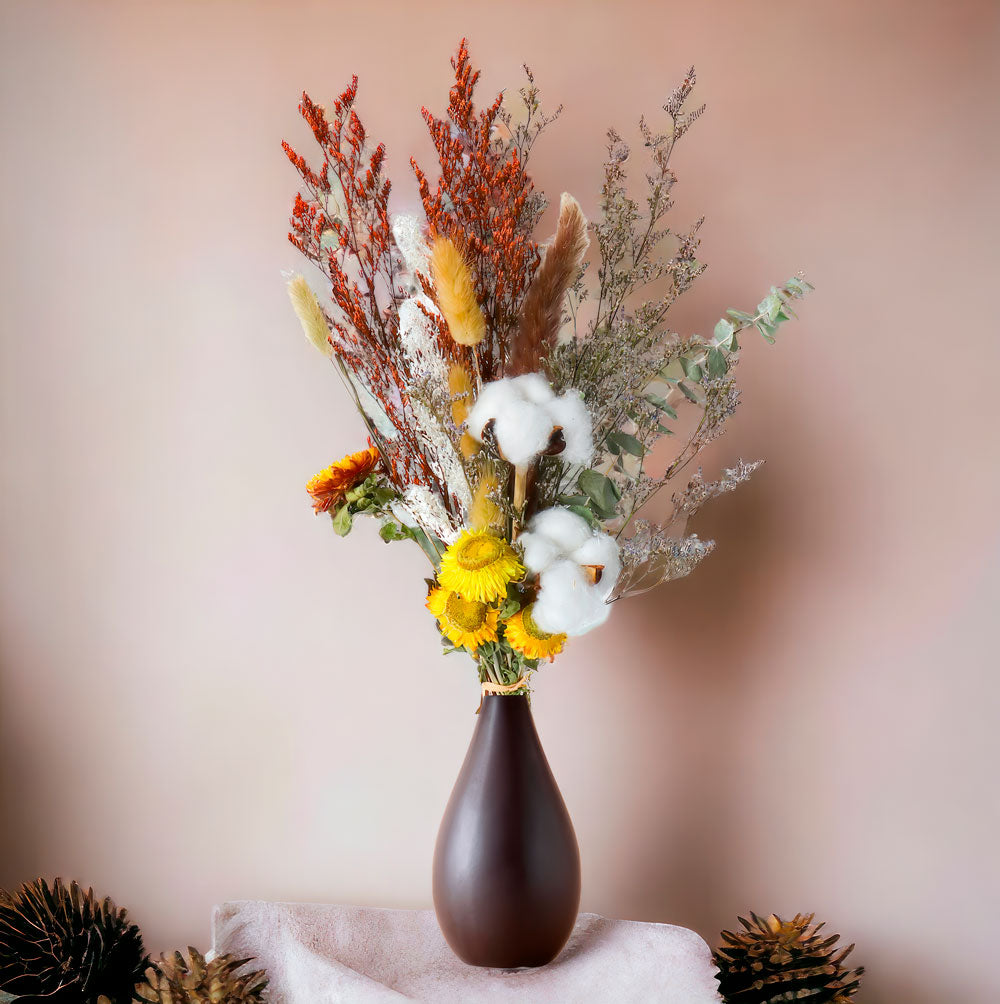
pixel 511 402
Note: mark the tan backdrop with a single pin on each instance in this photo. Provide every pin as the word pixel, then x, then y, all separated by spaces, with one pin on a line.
pixel 206 695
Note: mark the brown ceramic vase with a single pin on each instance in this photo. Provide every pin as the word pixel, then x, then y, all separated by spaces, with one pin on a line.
pixel 506 864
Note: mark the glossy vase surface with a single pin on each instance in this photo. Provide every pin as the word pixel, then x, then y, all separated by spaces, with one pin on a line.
pixel 506 864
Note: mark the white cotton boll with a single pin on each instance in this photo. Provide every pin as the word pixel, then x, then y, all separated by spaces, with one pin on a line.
pixel 491 397
pixel 409 237
pixel 522 430
pixel 570 413
pixel 567 603
pixel 563 528
pixel 601 549
pixel 533 387
pixel 539 551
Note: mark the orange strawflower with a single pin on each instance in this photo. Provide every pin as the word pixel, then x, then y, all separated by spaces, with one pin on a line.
pixel 329 487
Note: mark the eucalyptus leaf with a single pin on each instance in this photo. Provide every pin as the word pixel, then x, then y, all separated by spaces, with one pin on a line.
pixel 688 393
pixel 602 492
pixel 715 363
pixel 585 513
pixel 628 443
pixel 691 369
pixel 725 330
pixel 769 307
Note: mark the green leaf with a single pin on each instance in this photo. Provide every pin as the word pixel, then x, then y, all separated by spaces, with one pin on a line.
pixel 766 331
pixel 725 331
pixel 688 393
pixel 510 607
pixel 716 364
pixel 342 521
pixel 691 369
pixel 770 306
pixel 628 443
pixel 584 512
pixel 659 402
pixel 664 430
pixel 390 530
pixel 571 500
pixel 602 492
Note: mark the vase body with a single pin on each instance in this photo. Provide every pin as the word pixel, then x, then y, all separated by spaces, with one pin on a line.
pixel 506 863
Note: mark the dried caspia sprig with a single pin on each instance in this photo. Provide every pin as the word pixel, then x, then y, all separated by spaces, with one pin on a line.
pixel 651 556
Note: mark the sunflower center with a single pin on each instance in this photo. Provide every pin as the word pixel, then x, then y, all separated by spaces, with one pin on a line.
pixel 469 615
pixel 478 552
pixel 531 627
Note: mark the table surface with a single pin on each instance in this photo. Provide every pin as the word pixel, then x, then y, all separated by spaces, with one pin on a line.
pixel 328 954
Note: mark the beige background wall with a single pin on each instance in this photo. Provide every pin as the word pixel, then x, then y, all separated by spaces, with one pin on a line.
pixel 205 695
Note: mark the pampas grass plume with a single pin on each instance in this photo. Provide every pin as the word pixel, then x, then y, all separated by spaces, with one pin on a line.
pixel 541 312
pixel 310 315
pixel 456 294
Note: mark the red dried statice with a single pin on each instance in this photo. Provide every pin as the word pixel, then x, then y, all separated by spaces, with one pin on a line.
pixel 483 201
pixel 343 227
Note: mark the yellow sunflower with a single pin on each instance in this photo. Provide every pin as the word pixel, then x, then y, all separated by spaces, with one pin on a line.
pixel 479 565
pixel 329 487
pixel 526 637
pixel 465 623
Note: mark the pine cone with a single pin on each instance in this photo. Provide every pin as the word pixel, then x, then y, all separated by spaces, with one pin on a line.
pixel 63 945
pixel 775 960
pixel 178 980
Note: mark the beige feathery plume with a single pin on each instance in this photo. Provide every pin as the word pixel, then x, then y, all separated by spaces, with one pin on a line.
pixel 541 311
pixel 456 294
pixel 485 512
pixel 310 315
pixel 460 387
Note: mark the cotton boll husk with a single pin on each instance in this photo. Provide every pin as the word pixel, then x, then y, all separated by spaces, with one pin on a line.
pixel 570 413
pixel 533 387
pixel 567 603
pixel 564 529
pixel 601 549
pixel 522 430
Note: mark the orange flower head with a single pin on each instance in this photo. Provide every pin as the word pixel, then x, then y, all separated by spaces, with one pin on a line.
pixel 329 487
